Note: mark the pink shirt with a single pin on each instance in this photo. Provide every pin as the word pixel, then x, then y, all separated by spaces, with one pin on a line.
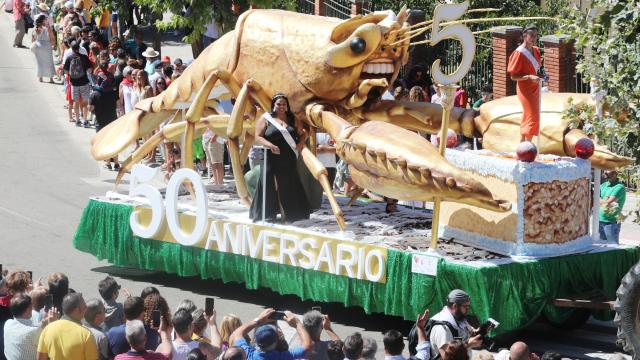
pixel 18 10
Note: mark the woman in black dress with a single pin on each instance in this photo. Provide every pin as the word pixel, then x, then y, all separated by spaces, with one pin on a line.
pixel 284 193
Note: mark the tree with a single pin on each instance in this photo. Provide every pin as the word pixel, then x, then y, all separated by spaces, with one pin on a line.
pixel 194 15
pixel 608 40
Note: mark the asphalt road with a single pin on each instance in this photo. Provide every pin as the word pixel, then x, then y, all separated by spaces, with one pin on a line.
pixel 48 176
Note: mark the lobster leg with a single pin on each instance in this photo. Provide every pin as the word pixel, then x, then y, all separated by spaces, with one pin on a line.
pixel 172 130
pixel 320 173
pixel 234 131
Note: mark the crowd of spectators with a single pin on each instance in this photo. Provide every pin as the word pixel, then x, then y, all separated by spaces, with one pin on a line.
pixel 52 321
pixel 104 72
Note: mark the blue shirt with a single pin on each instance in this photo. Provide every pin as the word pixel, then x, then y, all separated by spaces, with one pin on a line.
pixel 118 341
pixel 257 354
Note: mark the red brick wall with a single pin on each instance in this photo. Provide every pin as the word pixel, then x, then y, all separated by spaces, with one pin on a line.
pixel 505 41
pixel 559 63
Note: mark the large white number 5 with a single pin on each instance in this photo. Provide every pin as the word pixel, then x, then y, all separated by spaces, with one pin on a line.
pixel 143 174
pixel 450 12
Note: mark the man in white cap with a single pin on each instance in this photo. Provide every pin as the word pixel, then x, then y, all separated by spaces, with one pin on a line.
pixel 455 315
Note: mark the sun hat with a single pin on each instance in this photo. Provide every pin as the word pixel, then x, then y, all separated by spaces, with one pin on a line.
pixel 150 53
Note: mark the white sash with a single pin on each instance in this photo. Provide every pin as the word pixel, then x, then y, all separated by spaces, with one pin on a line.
pixel 524 51
pixel 283 131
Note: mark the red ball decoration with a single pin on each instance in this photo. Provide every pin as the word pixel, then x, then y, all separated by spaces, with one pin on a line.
pixel 584 148
pixel 526 151
pixel 452 139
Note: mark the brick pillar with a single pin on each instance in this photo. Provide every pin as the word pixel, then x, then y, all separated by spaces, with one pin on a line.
pixel 357 5
pixel 505 41
pixel 319 7
pixel 560 63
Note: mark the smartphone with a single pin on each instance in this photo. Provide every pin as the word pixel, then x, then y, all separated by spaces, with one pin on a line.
pixel 48 302
pixel 277 315
pixel 317 308
pixel 155 318
pixel 208 306
pixel 30 275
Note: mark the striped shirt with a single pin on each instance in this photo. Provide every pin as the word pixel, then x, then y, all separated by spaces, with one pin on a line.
pixel 21 339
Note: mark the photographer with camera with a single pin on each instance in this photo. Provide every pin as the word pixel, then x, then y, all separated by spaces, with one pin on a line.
pixel 267 337
pixel 451 324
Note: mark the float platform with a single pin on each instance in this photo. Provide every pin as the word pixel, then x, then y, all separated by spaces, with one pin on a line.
pixel 378 267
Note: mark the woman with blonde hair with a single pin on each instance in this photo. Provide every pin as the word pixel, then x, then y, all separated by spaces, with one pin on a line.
pixel 228 325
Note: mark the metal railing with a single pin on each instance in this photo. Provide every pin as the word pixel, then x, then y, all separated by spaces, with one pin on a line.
pixel 481 73
pixel 372 6
pixel 306 6
pixel 337 8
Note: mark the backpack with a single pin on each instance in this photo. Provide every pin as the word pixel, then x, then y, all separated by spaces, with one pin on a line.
pixel 413 334
pixel 76 68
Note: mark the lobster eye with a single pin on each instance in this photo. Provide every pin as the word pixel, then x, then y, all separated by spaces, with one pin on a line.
pixel 358 45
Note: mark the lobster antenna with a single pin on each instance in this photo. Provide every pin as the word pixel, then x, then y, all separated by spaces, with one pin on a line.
pixel 482 10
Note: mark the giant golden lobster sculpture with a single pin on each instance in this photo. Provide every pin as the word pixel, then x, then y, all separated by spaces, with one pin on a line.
pixel 334 73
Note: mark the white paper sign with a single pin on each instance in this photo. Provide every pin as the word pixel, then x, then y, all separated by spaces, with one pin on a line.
pixel 424 264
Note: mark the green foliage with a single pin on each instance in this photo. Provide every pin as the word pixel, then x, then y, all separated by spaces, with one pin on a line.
pixel 201 12
pixel 611 49
pixel 608 40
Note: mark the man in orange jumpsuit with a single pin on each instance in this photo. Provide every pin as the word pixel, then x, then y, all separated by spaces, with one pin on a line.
pixel 524 65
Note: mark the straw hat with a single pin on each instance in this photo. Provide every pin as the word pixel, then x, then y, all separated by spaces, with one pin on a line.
pixel 43 7
pixel 150 53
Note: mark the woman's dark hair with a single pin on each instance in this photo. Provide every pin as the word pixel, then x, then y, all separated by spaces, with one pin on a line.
pixel 167 71
pixel 196 354
pixel 290 117
pixel 334 350
pixel 58 288
pixel 40 19
pixel 148 291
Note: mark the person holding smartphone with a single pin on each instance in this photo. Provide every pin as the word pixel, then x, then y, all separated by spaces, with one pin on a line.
pixel 267 337
pixel 454 316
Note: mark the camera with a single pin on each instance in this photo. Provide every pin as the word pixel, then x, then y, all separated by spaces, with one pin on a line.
pixel 488 342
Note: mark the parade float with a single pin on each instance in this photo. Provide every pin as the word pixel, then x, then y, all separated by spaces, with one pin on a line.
pixel 522 232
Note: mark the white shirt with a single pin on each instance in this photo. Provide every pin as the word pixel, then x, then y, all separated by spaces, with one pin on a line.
pixel 327 159
pixel 21 339
pixel 436 99
pixel 127 97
